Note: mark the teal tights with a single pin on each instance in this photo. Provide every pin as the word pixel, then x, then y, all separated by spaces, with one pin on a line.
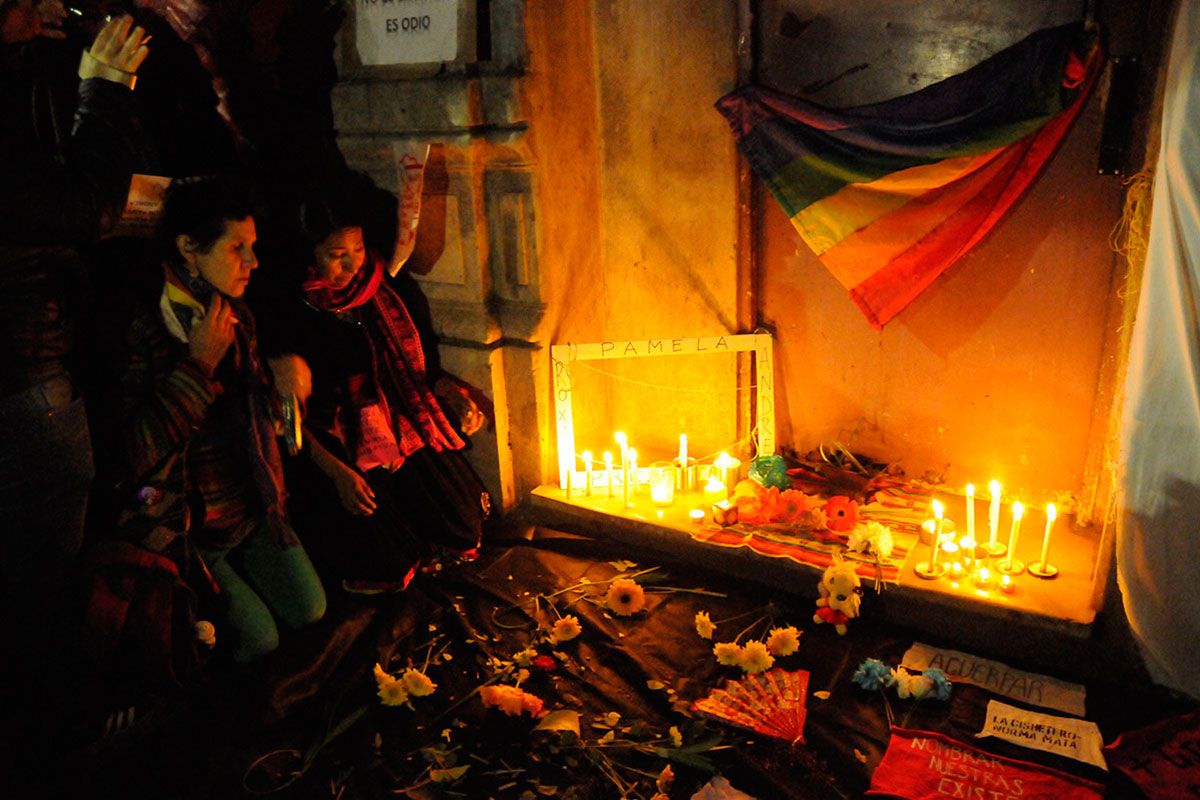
pixel 269 582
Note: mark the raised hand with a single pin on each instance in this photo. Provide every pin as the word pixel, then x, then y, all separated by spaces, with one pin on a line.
pixel 117 52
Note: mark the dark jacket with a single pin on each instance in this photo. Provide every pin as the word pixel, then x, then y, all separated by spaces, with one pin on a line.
pixel 56 196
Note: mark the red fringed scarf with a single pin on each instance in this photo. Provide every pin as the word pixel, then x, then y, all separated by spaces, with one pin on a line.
pixel 415 415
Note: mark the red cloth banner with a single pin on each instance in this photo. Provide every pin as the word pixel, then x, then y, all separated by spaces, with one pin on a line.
pixel 1162 759
pixel 929 766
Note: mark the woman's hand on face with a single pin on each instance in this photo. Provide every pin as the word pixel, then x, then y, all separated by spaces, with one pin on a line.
pixel 354 492
pixel 211 336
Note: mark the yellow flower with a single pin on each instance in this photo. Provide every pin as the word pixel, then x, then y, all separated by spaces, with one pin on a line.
pixel 704 625
pixel 676 739
pixel 382 678
pixel 783 641
pixel 755 657
pixel 525 657
pixel 625 597
pixel 565 629
pixel 393 694
pixel 728 653
pixel 417 683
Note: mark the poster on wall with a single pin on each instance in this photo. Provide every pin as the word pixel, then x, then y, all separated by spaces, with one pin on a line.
pixel 406 31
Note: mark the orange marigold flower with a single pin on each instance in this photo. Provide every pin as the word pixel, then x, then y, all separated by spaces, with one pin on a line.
pixel 506 698
pixel 625 597
pixel 841 513
pixel 792 504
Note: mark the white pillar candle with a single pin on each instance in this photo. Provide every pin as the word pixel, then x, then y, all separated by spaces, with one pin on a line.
pixel 1051 515
pixel 631 477
pixel 1018 511
pixel 587 472
pixel 971 512
pixel 939 514
pixel 609 473
pixel 994 512
pixel 683 455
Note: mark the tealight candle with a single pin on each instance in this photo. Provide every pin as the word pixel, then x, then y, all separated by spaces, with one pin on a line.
pixel 983 578
pixel 714 490
pixel 1006 584
pixel 1043 568
pixel 1010 565
pixel 608 472
pixel 697 515
pixel 728 466
pixel 662 483
pixel 587 472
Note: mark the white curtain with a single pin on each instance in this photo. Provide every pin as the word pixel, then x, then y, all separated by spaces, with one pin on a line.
pixel 1158 534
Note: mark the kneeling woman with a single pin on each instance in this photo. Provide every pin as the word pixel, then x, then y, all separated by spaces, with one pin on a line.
pixel 198 430
pixel 380 432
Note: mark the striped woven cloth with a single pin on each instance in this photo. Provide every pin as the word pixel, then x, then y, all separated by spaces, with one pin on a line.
pixel 889 195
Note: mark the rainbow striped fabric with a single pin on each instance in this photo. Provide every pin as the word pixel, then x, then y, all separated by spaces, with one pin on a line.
pixel 889 195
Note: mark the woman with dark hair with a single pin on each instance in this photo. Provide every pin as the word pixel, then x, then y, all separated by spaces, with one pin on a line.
pixel 198 429
pixel 378 429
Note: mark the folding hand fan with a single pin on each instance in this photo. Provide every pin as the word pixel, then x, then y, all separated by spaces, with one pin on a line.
pixel 770 703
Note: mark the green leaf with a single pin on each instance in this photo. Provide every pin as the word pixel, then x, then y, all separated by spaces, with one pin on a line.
pixel 449 775
pixel 563 719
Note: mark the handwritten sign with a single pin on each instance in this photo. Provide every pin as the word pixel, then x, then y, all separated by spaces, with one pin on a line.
pixel 1001 679
pixel 410 182
pixel 406 31
pixel 1064 736
pixel 929 766
pixel 1163 759
pixel 562 355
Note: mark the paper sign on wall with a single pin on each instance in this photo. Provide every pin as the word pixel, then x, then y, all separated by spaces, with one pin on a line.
pixel 406 31
pixel 1064 736
pixel 410 183
pixel 1001 679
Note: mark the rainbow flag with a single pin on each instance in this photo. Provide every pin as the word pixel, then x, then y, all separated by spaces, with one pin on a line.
pixel 889 195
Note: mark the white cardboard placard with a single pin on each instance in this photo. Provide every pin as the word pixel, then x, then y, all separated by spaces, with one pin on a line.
pixel 562 355
pixel 406 31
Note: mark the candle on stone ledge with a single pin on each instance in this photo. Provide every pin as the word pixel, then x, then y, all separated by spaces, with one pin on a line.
pixel 631 481
pixel 1010 564
pixel 587 472
pixel 1006 584
pixel 623 443
pixel 714 490
pixel 609 473
pixel 931 569
pixel 1043 568
pixel 971 512
pixel 993 515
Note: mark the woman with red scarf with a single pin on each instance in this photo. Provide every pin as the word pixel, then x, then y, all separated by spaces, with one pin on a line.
pixel 378 430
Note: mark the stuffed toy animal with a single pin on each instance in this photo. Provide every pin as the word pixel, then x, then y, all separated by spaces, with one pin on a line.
pixel 841 594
